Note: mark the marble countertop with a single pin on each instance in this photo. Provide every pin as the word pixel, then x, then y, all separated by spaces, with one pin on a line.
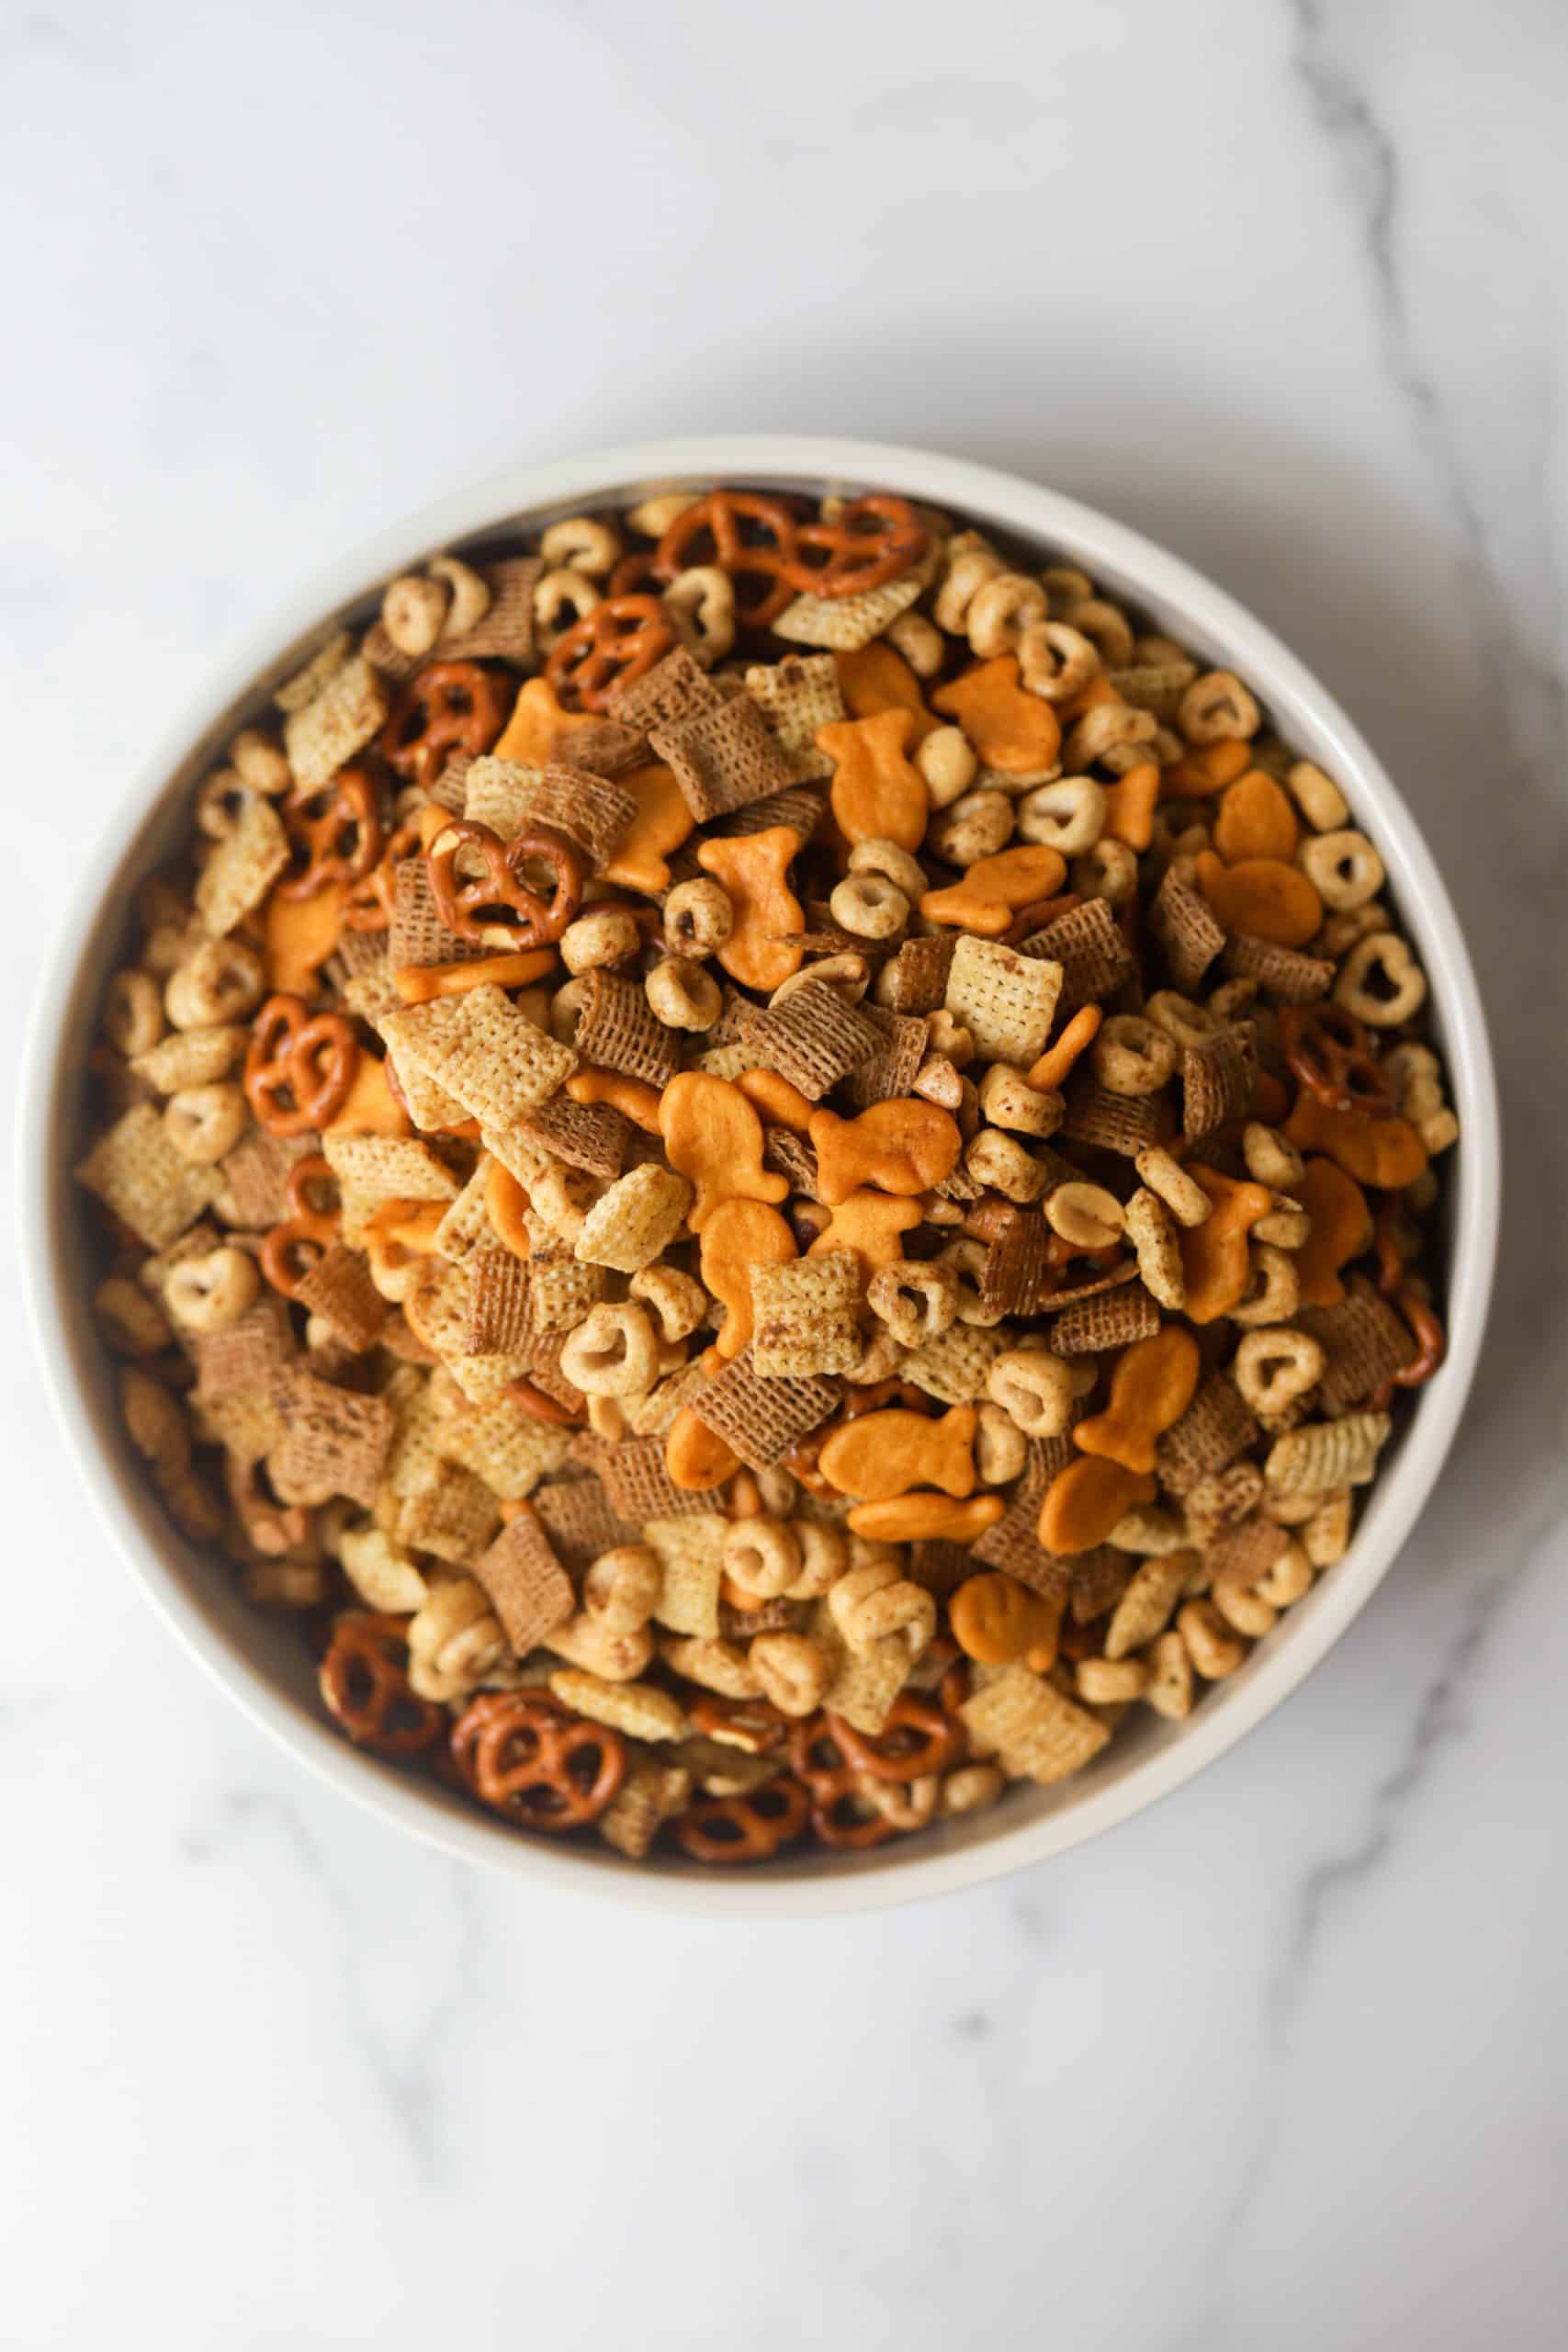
pixel 1281 2063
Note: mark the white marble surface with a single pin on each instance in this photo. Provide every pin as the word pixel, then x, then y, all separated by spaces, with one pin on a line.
pixel 1282 2063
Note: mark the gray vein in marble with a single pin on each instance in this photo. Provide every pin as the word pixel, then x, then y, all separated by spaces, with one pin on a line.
pixel 406 2078
pixel 1440 1721
pixel 1328 1891
pixel 1345 113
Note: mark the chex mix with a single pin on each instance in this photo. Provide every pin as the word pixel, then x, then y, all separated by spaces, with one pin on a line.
pixel 769 1166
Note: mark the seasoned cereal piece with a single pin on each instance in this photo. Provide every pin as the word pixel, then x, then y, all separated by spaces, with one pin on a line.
pixel 141 1177
pixel 1148 1604
pixel 243 868
pixel 762 1419
pixel 454 1515
pixel 1186 933
pixel 723 756
pixel 690 1551
pixel 796 696
pixel 847 623
pixel 1324 1455
pixel 338 1288
pixel 498 1303
pixel 915 981
pixel 812 1039
pixel 953 1366
pixel 804 1315
pixel 561 1291
pixel 1004 1000
pixel 590 809
pixel 529 1589
pixel 1095 959
pixel 638 1485
pixel 333 1442
pixel 577 1517
pixel 618 1030
pixel 634 1221
pixel 482 1052
pixel 651 1794
pixel 1215 1428
pixel 1035 1732
pixel 338 721
pixel 639 1709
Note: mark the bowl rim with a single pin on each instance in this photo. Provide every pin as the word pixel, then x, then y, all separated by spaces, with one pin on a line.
pixel 1149 574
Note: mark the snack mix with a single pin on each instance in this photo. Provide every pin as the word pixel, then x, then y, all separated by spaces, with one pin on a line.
pixel 769 1167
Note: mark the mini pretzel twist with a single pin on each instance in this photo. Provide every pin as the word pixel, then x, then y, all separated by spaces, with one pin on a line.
pixel 292 1248
pixel 1431 1347
pixel 747 1829
pixel 365 1685
pixel 373 896
pixel 612 646
pixel 527 1760
pixel 504 894
pixel 751 537
pixel 1329 1054
pixel 448 707
pixel 298 1067
pixel 920 1736
pixel 336 828
pixel 841 1815
pixel 871 542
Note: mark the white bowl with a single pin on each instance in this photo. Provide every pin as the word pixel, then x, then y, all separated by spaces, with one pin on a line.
pixel 261 1661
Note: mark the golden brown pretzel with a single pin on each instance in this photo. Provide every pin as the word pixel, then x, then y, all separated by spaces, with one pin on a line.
pixel 747 1829
pixel 751 537
pixel 308 1058
pixel 1328 1053
pixel 503 894
pixel 292 1248
pixel 544 1769
pixel 616 644
pixel 364 1686
pixel 872 542
pixel 337 828
pixel 448 707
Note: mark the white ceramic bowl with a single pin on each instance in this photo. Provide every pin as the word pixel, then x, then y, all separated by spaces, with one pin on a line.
pixel 261 1661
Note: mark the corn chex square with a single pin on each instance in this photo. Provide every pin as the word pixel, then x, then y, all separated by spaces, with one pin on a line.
pixel 482 1052
pixel 560 1293
pixel 864 1685
pixel 804 1315
pixel 502 1445
pixel 141 1179
pixel 1003 999
pixel 634 1222
pixel 1031 1727
pixel 651 1794
pixel 796 696
pixel 466 1224
pixel 846 623
pixel 243 869
pixel 454 1515
pixel 690 1550
pixel 350 708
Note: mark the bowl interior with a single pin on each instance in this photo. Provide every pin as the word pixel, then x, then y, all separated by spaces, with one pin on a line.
pixel 261 1659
